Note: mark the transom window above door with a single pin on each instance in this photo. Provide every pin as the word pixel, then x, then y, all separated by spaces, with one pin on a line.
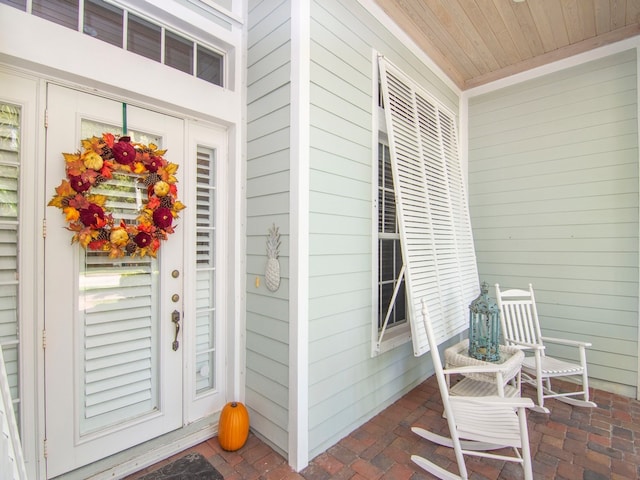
pixel 119 27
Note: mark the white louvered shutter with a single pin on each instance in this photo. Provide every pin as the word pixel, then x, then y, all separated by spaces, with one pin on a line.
pixel 10 119
pixel 433 216
pixel 205 271
pixel 118 302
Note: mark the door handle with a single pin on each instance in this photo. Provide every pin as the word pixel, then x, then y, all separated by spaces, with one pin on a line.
pixel 175 318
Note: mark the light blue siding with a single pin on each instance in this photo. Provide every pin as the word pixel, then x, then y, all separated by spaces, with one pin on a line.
pixel 553 174
pixel 268 143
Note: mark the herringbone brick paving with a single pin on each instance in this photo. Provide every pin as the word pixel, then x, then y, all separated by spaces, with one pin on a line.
pixel 570 443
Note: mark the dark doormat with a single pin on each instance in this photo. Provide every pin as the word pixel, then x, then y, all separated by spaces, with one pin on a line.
pixel 192 466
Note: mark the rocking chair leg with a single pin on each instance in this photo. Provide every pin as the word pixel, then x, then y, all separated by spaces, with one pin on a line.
pixel 526 450
pixel 540 392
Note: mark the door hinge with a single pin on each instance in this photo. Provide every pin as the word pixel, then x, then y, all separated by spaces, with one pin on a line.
pixel 44 339
pixel 46 119
pixel 44 228
pixel 45 453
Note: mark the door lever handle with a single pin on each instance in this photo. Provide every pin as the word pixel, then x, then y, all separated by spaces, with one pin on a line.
pixel 175 318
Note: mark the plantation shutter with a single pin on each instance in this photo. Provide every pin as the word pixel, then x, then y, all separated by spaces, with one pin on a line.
pixel 10 137
pixel 432 210
pixel 118 301
pixel 205 271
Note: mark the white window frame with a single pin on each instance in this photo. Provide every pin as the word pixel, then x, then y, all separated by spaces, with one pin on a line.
pixel 431 205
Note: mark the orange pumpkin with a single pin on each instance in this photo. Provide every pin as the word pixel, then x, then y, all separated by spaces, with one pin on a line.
pixel 233 428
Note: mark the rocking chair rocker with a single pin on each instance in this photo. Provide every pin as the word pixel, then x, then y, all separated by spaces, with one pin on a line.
pixel 476 424
pixel 521 328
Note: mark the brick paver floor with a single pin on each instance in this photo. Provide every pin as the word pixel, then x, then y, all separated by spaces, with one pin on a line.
pixel 570 443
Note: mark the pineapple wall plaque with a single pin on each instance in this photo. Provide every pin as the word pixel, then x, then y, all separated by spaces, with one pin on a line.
pixel 272 270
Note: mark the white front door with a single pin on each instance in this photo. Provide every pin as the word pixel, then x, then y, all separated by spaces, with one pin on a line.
pixel 113 377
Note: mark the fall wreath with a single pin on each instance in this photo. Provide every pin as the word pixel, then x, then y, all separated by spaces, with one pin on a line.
pixel 92 223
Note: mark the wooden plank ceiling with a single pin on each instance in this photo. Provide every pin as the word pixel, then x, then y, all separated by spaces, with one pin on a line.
pixel 478 41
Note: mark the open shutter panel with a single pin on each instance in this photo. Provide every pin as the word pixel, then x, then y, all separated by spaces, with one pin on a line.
pixel 435 230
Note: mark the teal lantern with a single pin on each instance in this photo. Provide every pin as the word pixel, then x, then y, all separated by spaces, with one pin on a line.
pixel 484 327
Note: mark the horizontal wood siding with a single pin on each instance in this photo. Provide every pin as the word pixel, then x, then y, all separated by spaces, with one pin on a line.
pixel 346 385
pixel 267 313
pixel 553 173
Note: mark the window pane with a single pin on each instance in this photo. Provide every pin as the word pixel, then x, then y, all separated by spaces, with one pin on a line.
pixel 389 213
pixel 19 4
pixel 400 311
pixel 387 260
pixel 397 250
pixel 62 12
pixel 386 291
pixel 178 53
pixel 209 66
pixel 144 38
pixel 103 21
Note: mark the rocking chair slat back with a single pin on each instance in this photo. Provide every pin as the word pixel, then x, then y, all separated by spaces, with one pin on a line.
pixel 519 321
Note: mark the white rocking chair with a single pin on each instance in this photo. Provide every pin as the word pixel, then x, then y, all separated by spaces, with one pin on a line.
pixel 521 328
pixel 476 424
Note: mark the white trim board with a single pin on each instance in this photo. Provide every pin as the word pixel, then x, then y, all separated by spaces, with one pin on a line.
pixel 299 234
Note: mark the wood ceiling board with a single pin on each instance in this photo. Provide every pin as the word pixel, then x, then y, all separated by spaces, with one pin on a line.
pixel 478 41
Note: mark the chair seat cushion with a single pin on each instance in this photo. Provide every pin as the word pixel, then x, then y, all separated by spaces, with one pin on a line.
pixel 551 366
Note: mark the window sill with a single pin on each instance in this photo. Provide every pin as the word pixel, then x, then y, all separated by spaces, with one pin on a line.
pixel 393 338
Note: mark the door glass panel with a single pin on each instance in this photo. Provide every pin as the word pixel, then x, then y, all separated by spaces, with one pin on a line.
pixel 117 304
pixel 9 286
pixel 205 271
pixel 62 12
pixel 103 21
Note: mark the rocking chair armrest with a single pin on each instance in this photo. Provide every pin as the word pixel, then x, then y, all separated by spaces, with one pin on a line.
pixel 564 341
pixel 525 345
